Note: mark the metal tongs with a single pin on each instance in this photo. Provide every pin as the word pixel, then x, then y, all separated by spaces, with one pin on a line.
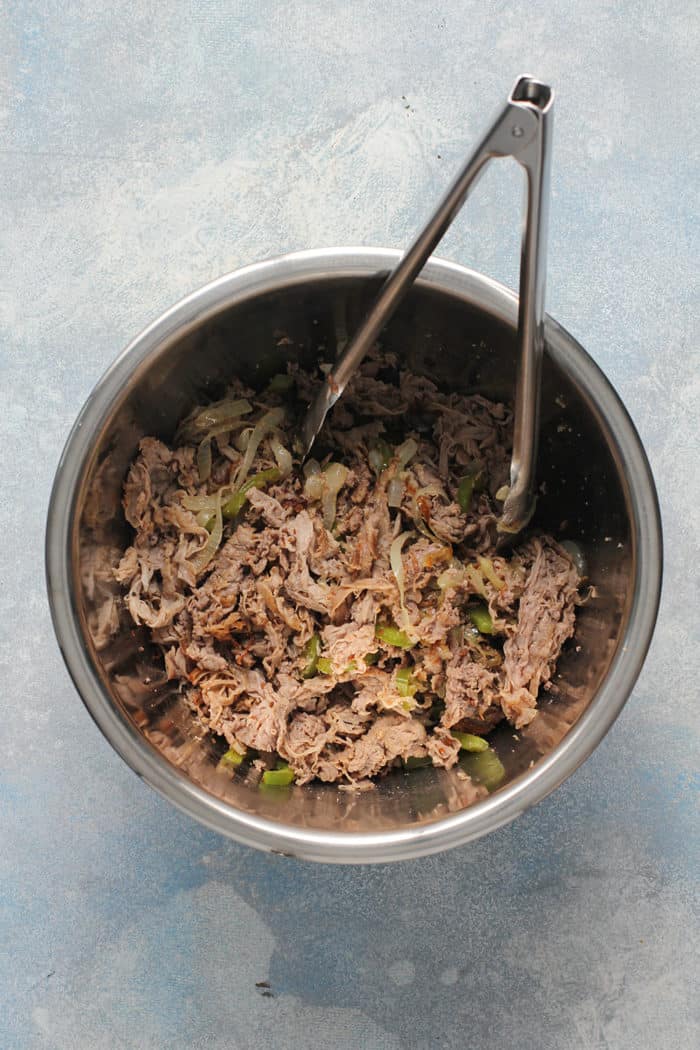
pixel 522 130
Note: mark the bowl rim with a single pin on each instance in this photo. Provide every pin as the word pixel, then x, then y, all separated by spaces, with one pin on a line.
pixel 526 790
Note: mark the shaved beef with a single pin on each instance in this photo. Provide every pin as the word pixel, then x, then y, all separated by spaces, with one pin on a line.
pixel 347 643
pixel 545 621
pixel 267 507
pixel 470 689
pixel 299 585
pixel 279 641
pixel 389 737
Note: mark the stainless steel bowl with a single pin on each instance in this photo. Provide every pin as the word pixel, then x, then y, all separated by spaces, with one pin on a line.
pixel 458 327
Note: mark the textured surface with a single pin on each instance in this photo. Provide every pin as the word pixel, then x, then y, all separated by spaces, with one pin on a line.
pixel 148 147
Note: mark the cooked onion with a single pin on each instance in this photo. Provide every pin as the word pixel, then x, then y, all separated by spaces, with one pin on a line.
pixel 476 580
pixel 394 492
pixel 283 457
pixel 221 412
pixel 205 555
pixel 314 487
pixel 453 575
pixel 269 421
pixel 396 562
pixel 334 477
pixel 216 419
pixel 488 570
pixel 312 466
pixel 405 452
pixel 205 502
pixel 204 459
pixel 324 485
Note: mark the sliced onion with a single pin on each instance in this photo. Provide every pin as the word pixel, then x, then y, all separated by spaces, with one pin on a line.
pixel 488 570
pixel 203 517
pixel 376 460
pixel 283 457
pixel 221 412
pixel 314 487
pixel 324 485
pixel 205 555
pixel 204 459
pixel 394 492
pixel 312 466
pixel 334 477
pixel 223 428
pixel 453 575
pixel 476 580
pixel 396 562
pixel 197 503
pixel 262 428
pixel 207 501
pixel 405 452
pixel 216 418
pixel 243 439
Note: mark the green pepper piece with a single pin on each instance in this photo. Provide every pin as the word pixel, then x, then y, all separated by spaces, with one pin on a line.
pixel 311 653
pixel 352 666
pixel 465 491
pixel 372 658
pixel 484 767
pixel 471 742
pixel 481 618
pixel 405 685
pixel 280 777
pixel 324 665
pixel 393 636
pixel 233 506
pixel 232 759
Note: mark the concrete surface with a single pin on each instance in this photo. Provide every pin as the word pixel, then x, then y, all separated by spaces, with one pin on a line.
pixel 148 147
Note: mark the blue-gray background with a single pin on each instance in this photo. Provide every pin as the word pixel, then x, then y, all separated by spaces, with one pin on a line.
pixel 148 147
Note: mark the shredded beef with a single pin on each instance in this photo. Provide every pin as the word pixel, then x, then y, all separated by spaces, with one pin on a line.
pixel 300 637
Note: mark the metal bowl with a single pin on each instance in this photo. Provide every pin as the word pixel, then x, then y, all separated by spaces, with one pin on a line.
pixel 459 328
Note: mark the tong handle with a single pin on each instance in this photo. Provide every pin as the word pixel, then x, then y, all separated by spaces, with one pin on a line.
pixel 535 158
pixel 520 130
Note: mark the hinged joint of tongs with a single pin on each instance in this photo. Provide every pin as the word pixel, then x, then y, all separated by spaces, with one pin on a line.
pixel 522 130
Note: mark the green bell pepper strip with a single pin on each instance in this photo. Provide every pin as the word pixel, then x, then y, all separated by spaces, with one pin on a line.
pixel 405 685
pixel 393 636
pixel 471 742
pixel 484 767
pixel 311 654
pixel 481 618
pixel 281 777
pixel 233 506
pixel 465 491
pixel 232 759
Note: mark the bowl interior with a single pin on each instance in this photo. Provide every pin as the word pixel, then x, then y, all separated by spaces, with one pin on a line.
pixel 462 346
